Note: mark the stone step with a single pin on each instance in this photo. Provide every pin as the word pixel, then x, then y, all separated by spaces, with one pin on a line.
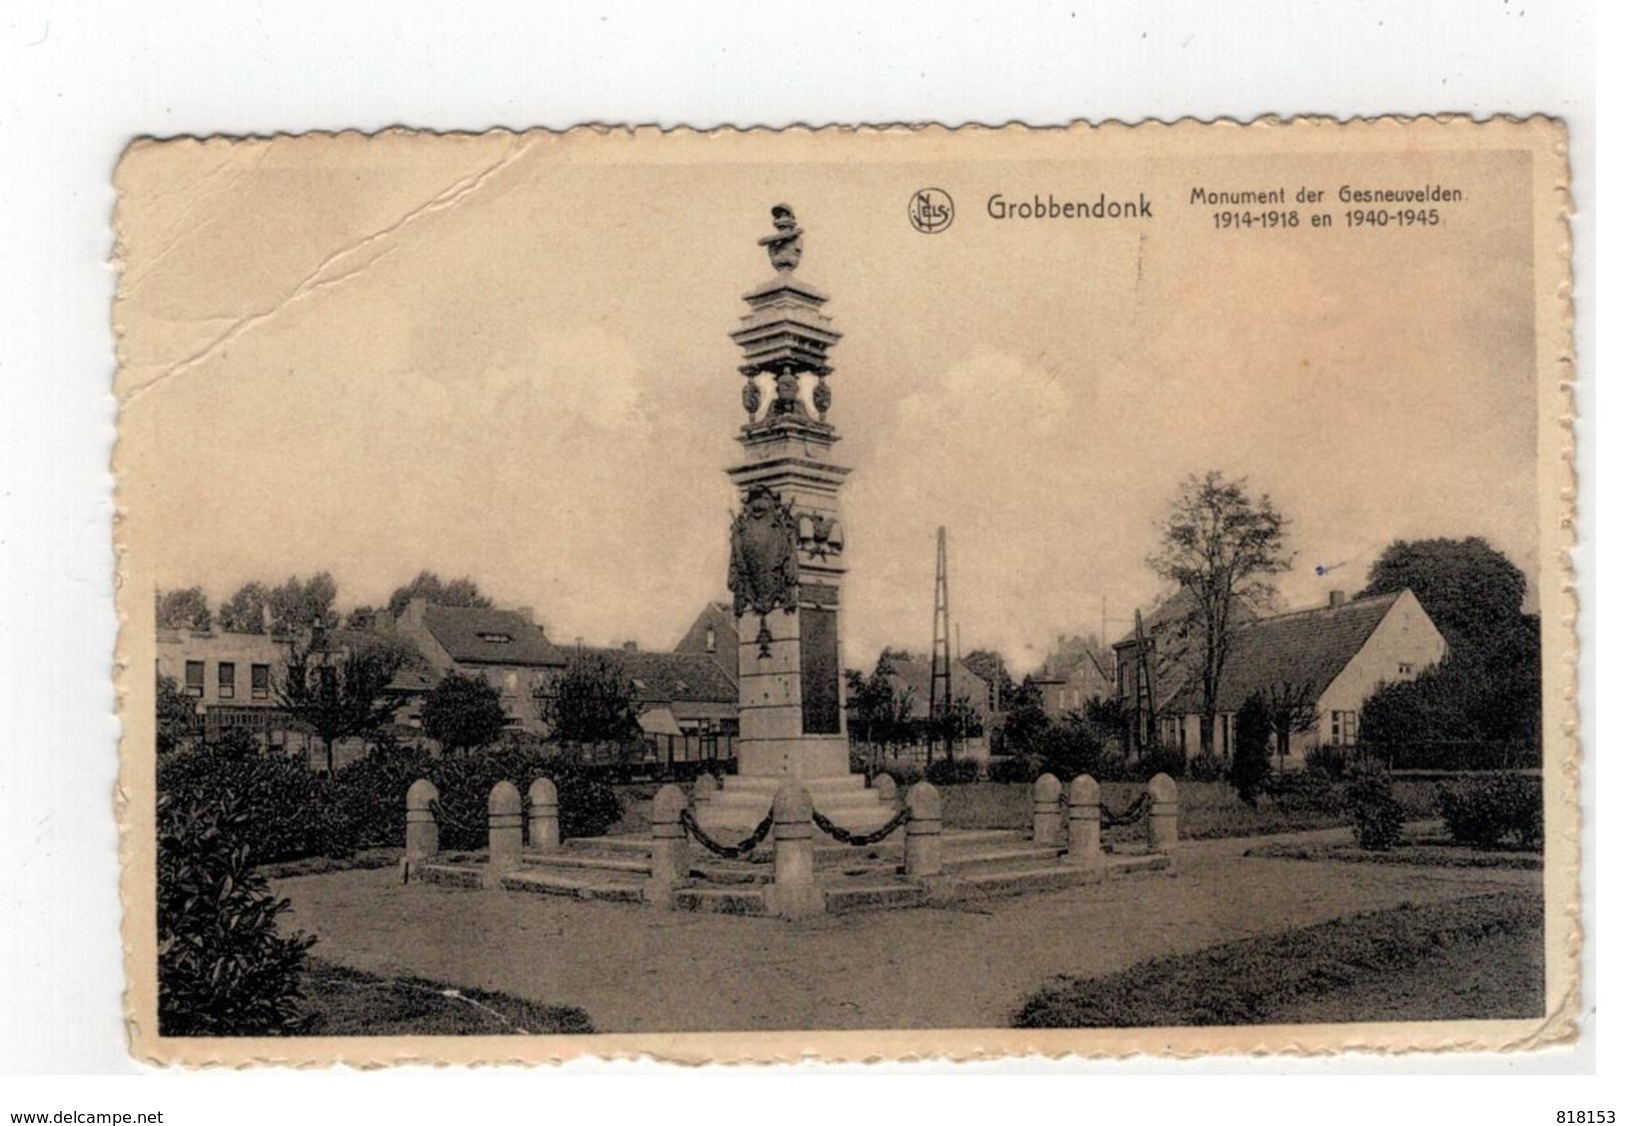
pixel 545 881
pixel 995 859
pixel 628 864
pixel 449 875
pixel 768 785
pixel 1017 881
pixel 722 901
pixel 623 845
pixel 1132 865
pixel 840 899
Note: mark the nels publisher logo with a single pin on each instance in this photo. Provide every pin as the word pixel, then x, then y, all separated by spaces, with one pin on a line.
pixel 931 210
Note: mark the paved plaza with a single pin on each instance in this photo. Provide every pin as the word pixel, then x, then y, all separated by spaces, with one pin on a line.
pixel 968 966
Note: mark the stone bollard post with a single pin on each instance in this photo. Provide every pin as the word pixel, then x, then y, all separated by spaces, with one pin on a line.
pixel 794 893
pixel 422 831
pixel 544 815
pixel 1083 823
pixel 1163 820
pixel 1047 812
pixel 885 788
pixel 922 840
pixel 506 830
pixel 668 855
pixel 705 788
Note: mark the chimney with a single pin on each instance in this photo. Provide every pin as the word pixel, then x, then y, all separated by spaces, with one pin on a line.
pixel 413 614
pixel 629 646
pixel 526 612
pixel 1338 598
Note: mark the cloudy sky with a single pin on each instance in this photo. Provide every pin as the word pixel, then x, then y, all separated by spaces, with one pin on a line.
pixel 508 358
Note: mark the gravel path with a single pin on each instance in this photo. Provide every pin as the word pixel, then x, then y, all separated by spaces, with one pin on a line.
pixel 970 966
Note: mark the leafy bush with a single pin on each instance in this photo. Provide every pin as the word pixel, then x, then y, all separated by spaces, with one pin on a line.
pixel 1014 768
pixel 588 805
pixel 1157 760
pixel 1326 761
pixel 1378 816
pixel 1482 811
pixel 1068 749
pixel 1250 765
pixel 371 792
pixel 1205 767
pixel 223 970
pixel 291 812
pixel 952 772
pixel 1302 792
pixel 904 773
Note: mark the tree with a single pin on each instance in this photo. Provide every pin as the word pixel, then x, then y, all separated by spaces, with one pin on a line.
pixel 1025 720
pixel 298 605
pixel 592 701
pixel 1473 593
pixel 876 712
pixel 428 586
pixel 245 611
pixel 463 712
pixel 1223 549
pixel 989 664
pixel 1250 765
pixel 1489 686
pixel 343 691
pixel 1290 709
pixel 184 609
pixel 176 715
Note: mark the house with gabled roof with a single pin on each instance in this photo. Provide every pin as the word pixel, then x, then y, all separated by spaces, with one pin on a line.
pixel 678 694
pixel 715 633
pixel 1331 658
pixel 505 647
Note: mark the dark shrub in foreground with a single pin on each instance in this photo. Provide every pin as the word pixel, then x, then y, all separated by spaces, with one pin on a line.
pixel 1015 768
pixel 1206 767
pixel 1302 792
pixel 223 970
pixel 952 772
pixel 1485 810
pixel 371 792
pixel 1327 761
pixel 588 805
pixel 1377 814
pixel 1160 760
pixel 290 812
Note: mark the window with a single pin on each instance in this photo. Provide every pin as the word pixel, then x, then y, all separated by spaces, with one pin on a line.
pixel 228 680
pixel 1343 724
pixel 1406 668
pixel 194 678
pixel 497 638
pixel 710 639
pixel 259 683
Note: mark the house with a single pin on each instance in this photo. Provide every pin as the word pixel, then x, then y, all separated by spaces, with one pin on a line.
pixel 234 679
pixel 505 647
pixel 912 676
pixel 1075 673
pixel 715 634
pixel 681 695
pixel 1330 659
pixel 1151 663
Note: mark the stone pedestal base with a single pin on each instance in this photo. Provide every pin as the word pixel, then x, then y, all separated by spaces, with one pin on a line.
pixel 745 799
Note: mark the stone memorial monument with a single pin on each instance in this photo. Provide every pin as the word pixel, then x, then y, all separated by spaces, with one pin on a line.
pixel 785 566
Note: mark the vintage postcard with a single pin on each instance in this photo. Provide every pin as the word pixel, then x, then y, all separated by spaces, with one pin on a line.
pixel 848 593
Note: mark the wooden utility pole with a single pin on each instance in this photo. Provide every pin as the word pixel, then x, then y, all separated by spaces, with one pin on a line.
pixel 942 680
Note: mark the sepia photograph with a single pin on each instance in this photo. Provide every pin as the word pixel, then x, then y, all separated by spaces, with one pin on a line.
pixel 855 593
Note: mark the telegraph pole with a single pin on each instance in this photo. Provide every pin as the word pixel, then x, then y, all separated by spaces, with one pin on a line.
pixel 942 695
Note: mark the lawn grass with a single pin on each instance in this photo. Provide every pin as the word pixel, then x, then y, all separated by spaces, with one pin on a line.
pixel 1475 958
pixel 346 1002
pixel 1207 810
pixel 1428 852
